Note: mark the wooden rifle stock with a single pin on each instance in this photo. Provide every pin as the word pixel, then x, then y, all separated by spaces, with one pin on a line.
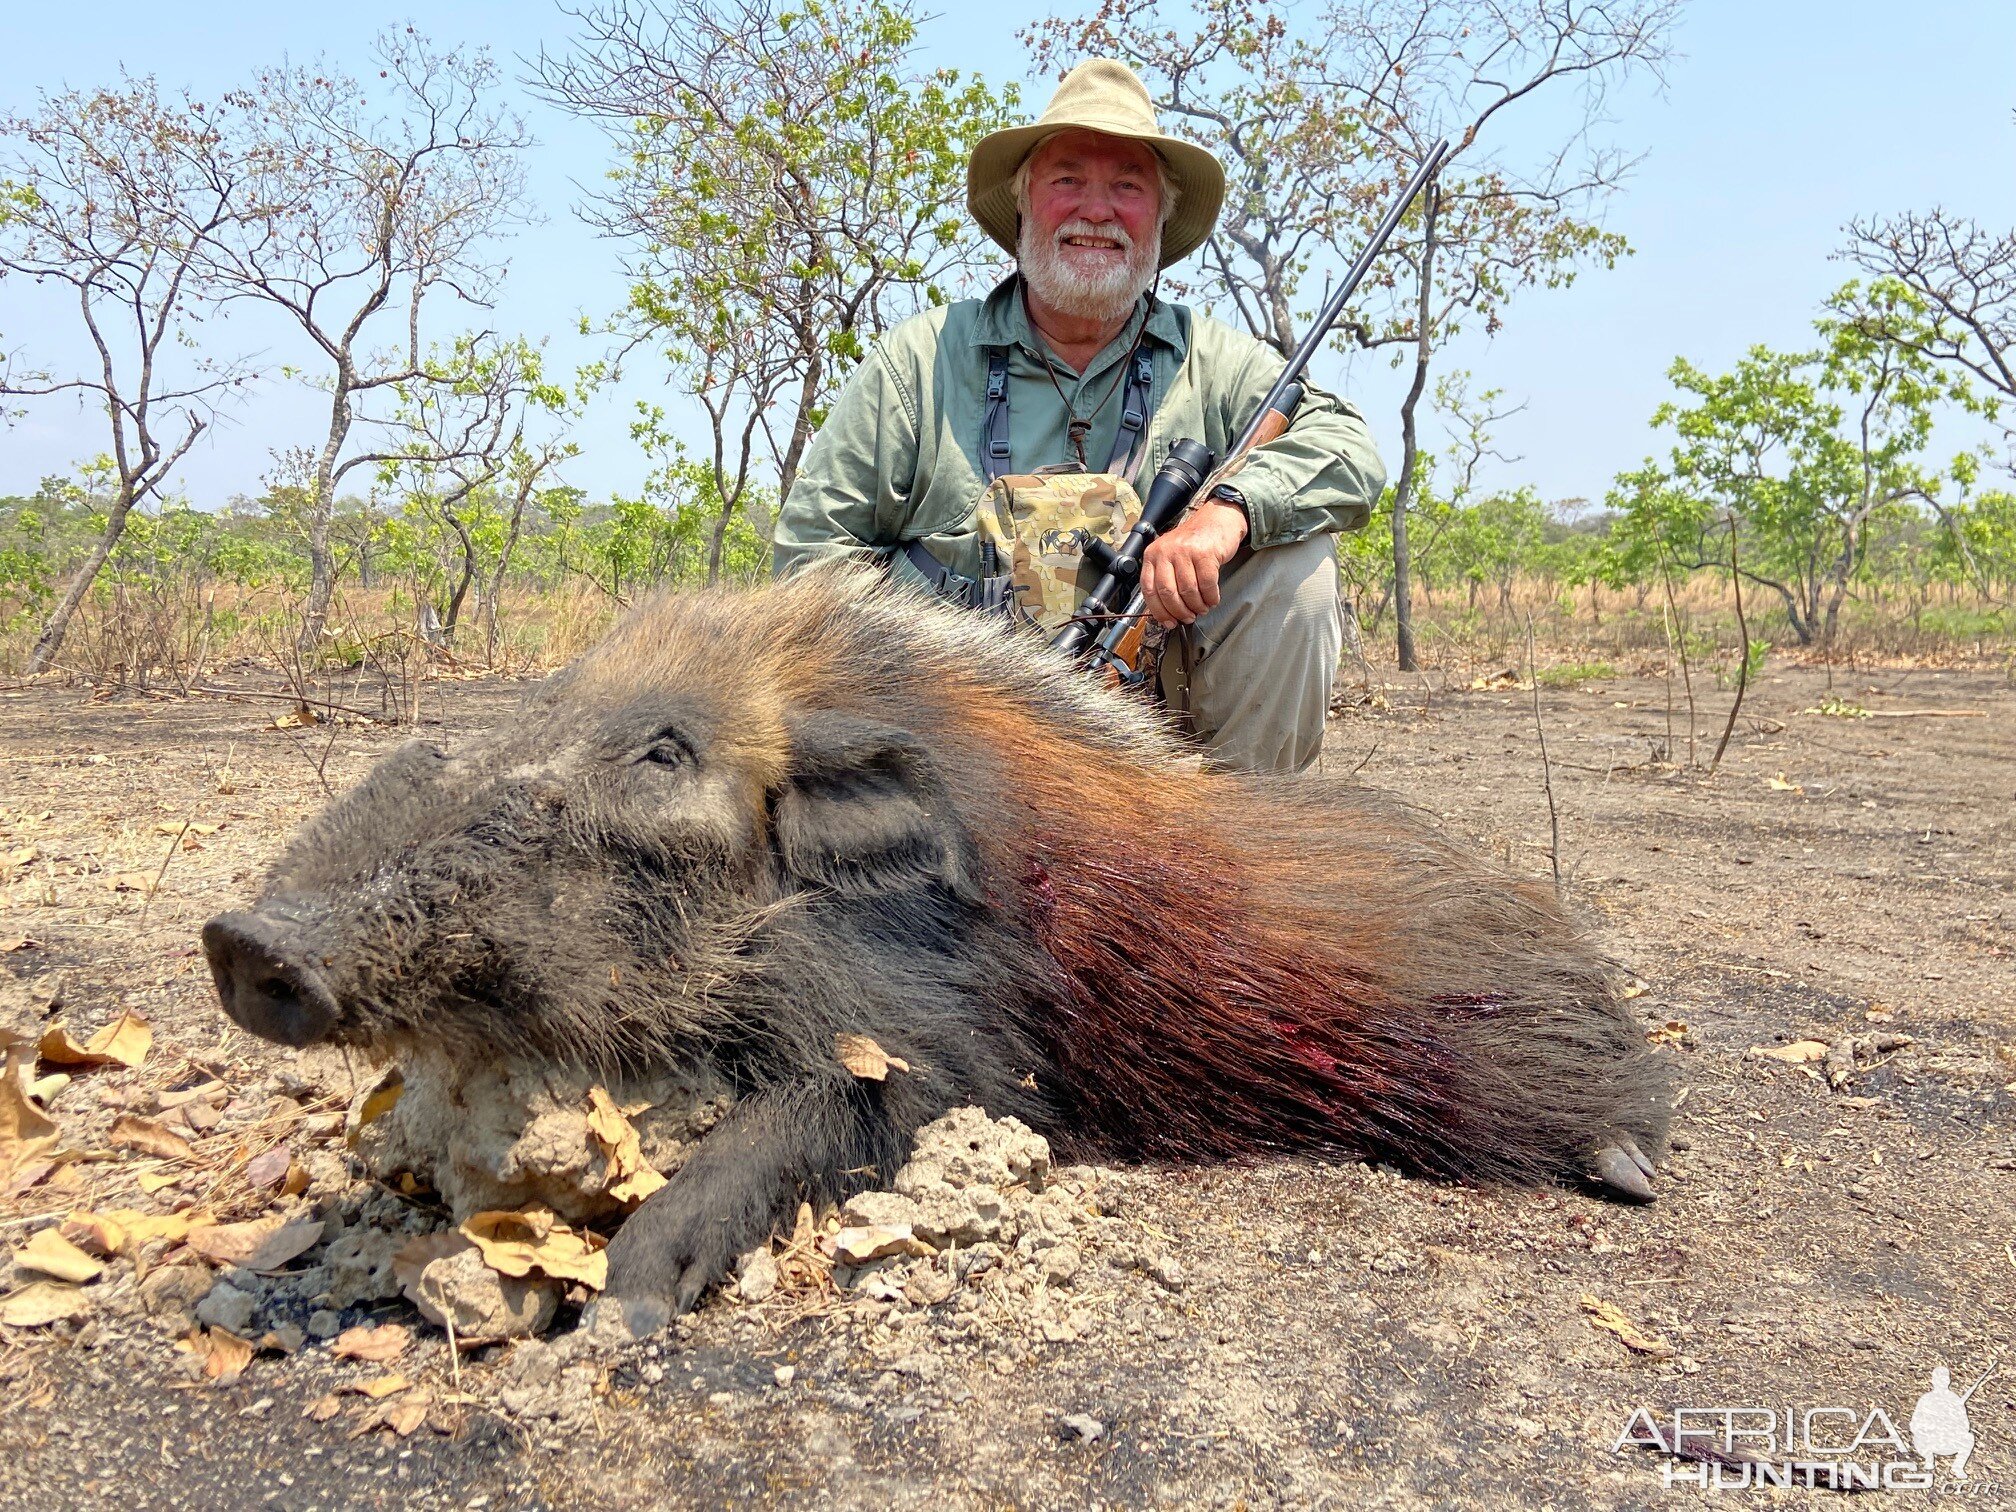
pixel 1274 422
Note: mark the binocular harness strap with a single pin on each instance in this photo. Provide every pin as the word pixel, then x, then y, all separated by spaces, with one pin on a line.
pixel 993 590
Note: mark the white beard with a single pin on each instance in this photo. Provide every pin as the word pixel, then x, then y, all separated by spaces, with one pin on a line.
pixel 1106 290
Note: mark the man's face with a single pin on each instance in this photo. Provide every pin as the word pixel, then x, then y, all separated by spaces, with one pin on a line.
pixel 1091 223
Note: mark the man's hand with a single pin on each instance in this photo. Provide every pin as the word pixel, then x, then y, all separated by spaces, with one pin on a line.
pixel 1179 573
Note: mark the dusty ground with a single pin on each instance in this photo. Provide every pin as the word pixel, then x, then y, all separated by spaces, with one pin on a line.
pixel 1338 1336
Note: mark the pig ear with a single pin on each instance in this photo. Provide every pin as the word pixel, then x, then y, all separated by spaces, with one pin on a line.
pixel 864 810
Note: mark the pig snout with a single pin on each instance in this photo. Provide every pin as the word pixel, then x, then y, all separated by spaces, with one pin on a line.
pixel 265 980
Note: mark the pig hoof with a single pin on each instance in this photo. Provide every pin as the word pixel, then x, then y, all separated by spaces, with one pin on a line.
pixel 1622 1170
pixel 625 1320
pixel 667 1254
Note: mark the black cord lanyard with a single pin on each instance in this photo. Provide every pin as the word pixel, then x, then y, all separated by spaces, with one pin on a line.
pixel 1135 373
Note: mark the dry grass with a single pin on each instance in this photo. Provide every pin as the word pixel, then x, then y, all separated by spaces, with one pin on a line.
pixel 165 638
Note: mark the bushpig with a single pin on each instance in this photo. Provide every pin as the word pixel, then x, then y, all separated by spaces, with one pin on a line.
pixel 747 823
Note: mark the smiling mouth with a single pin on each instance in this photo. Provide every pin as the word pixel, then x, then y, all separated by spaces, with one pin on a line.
pixel 1093 243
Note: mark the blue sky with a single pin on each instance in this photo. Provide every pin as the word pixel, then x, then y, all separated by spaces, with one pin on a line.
pixel 1778 122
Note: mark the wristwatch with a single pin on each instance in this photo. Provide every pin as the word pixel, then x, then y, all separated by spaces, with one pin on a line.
pixel 1226 493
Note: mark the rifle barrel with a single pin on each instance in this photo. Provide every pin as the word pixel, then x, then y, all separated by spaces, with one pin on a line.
pixel 1277 405
pixel 1319 330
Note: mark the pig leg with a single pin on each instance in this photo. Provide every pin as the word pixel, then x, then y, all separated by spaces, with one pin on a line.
pixel 775 1148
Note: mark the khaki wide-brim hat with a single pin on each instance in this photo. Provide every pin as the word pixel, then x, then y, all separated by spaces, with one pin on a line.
pixel 1101 95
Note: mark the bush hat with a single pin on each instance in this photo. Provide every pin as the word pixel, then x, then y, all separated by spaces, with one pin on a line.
pixel 1104 96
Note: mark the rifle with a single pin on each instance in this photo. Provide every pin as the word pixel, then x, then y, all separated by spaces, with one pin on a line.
pixel 1098 636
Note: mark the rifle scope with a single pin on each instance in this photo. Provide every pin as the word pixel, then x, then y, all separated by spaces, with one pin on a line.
pixel 1096 631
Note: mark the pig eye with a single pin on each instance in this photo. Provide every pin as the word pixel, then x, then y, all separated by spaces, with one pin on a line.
pixel 668 748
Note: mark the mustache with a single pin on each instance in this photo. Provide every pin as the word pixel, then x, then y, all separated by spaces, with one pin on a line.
pixel 1112 231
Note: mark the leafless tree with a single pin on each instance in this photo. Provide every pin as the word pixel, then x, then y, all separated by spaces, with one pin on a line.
pixel 370 198
pixel 117 195
pixel 532 474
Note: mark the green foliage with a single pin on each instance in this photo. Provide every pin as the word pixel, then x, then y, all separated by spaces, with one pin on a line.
pixel 1794 464
pixel 1979 543
pixel 1745 672
pixel 1575 674
pixel 1492 541
pixel 790 185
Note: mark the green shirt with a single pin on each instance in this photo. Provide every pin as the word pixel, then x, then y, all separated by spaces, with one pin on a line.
pixel 898 458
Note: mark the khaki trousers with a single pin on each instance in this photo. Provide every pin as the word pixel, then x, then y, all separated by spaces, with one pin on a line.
pixel 1256 680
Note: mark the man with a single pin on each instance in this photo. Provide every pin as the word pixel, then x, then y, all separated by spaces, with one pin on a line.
pixel 1099 373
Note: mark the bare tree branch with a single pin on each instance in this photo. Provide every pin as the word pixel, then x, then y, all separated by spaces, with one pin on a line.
pixel 119 195
pixel 368 198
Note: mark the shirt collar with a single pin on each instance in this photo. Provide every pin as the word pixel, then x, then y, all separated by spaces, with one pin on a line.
pixel 1004 322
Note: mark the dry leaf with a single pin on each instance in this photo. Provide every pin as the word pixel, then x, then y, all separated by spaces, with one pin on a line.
pixel 296 718
pixel 125 1041
pixel 269 1169
pixel 409 1413
pixel 379 1101
pixel 516 1244
pixel 22 855
pixel 133 1133
pixel 30 1173
pixel 194 829
pixel 43 1303
pixel 1637 987
pixel 413 1258
pixel 57 1048
pixel 323 1408
pixel 225 1356
pixel 95 1233
pixel 297 1180
pixel 1607 1316
pixel 290 1241
pixel 380 1345
pixel 138 882
pixel 18 942
pixel 1672 1032
pixel 44 1088
pixel 25 1131
pixel 379 1387
pixel 143 1228
pixel 198 1118
pixel 1798 1053
pixel 235 1243
pixel 159 1181
pixel 1778 784
pixel 866 1059
pixel 53 1255
pixel 634 1178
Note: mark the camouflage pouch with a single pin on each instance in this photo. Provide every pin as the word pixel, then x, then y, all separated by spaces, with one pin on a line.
pixel 1039 524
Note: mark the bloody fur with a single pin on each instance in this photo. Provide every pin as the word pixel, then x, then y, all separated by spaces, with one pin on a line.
pixel 892 819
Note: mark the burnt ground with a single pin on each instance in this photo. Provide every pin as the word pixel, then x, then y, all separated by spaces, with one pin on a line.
pixel 1340 1336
